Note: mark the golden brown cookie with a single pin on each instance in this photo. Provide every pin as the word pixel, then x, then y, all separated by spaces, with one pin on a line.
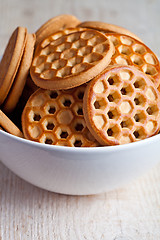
pixel 56 118
pixel 106 27
pixel 47 41
pixel 129 51
pixel 121 105
pixel 71 60
pixel 21 76
pixel 11 60
pixel 7 125
pixel 54 25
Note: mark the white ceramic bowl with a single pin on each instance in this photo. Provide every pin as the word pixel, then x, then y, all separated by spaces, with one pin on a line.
pixel 78 171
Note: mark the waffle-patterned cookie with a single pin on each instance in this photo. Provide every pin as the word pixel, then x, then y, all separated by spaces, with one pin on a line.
pixel 55 36
pixel 107 27
pixel 54 25
pixel 71 60
pixel 129 51
pixel 121 105
pixel 56 118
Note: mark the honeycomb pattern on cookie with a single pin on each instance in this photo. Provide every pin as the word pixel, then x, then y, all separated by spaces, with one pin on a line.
pixel 57 35
pixel 122 106
pixel 56 118
pixel 129 51
pixel 70 56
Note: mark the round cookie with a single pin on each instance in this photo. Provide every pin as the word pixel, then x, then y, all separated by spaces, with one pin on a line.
pixel 121 105
pixel 48 40
pixel 7 125
pixel 56 118
pixel 129 51
pixel 11 60
pixel 106 27
pixel 54 25
pixel 21 76
pixel 71 60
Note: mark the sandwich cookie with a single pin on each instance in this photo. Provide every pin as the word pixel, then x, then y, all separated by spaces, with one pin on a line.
pixel 21 76
pixel 7 125
pixel 11 60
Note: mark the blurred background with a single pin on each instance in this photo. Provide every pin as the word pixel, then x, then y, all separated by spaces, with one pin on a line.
pixel 140 16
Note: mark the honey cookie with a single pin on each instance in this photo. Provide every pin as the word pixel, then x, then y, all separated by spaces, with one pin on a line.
pixel 47 41
pixel 71 60
pixel 129 51
pixel 56 118
pixel 11 60
pixel 21 76
pixel 106 28
pixel 121 105
pixel 54 25
pixel 7 125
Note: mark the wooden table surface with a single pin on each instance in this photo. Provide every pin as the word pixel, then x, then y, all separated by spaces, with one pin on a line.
pixel 131 213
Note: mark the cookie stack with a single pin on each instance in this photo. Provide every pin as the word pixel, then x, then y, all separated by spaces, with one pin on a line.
pixel 90 84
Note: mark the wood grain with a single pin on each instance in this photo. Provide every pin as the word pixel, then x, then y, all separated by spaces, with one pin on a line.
pixel 131 213
pixel 28 212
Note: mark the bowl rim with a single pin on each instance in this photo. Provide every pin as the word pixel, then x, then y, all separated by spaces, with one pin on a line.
pixel 102 149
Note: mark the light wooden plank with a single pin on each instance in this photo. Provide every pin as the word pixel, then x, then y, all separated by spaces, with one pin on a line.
pixel 27 211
